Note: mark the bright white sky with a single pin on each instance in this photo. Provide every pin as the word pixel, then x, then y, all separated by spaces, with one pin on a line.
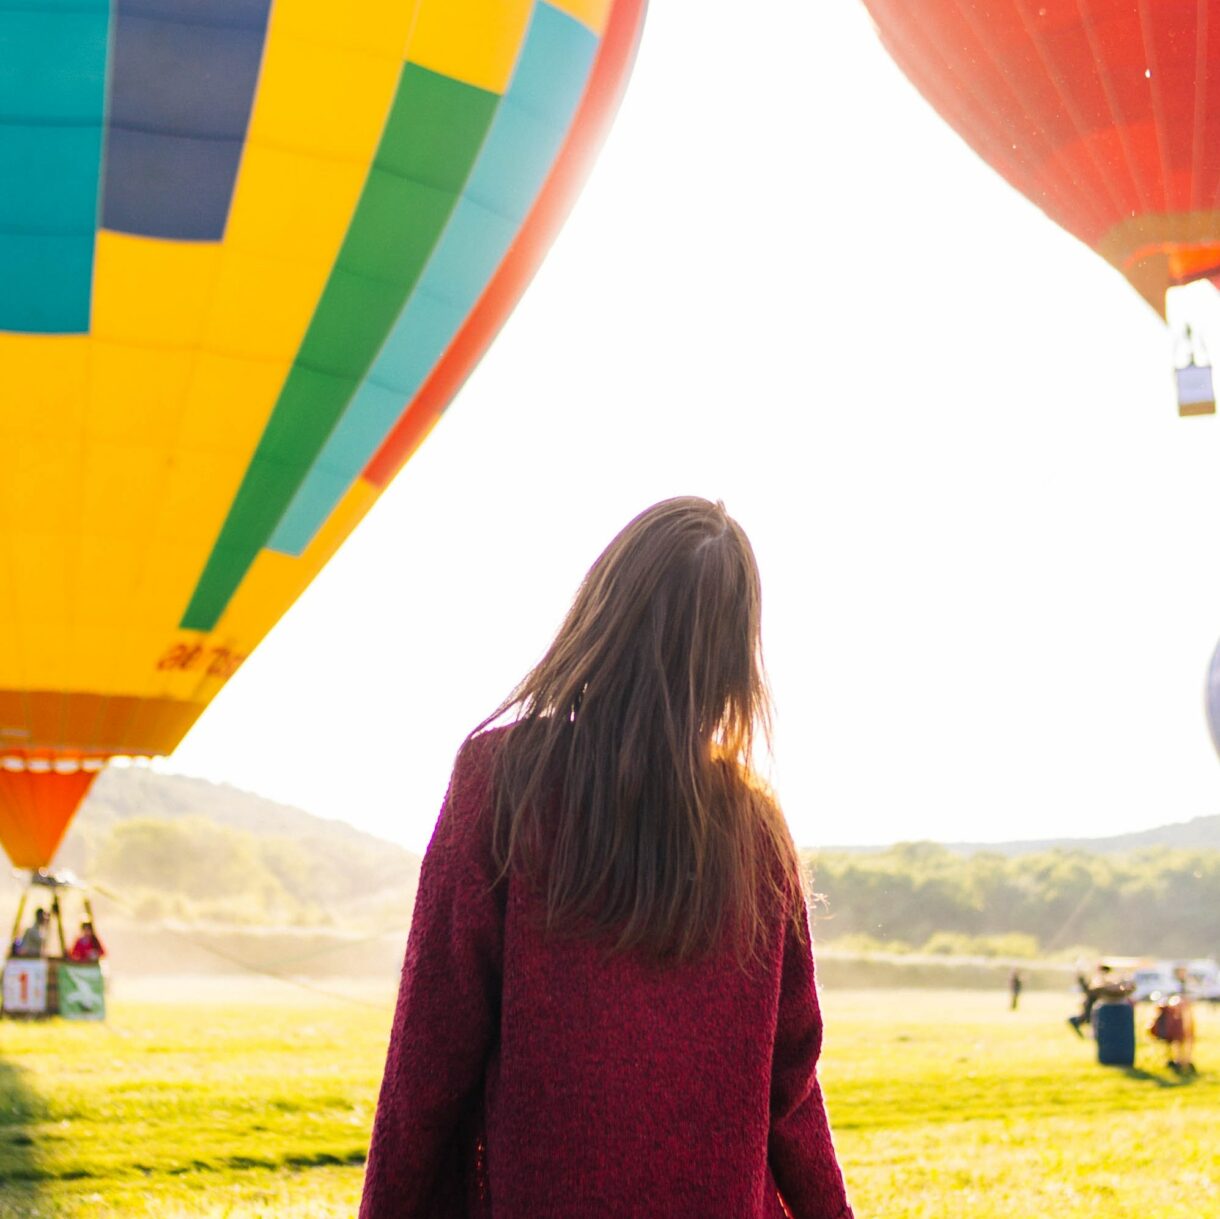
pixel 989 549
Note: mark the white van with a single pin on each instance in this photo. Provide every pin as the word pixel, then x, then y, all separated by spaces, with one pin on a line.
pixel 1157 978
pixel 1204 976
pixel 1153 978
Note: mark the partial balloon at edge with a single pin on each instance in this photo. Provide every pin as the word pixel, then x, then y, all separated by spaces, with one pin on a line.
pixel 1212 699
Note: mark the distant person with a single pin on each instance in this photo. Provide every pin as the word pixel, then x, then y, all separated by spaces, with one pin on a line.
pixel 1086 1010
pixel 87 947
pixel 34 942
pixel 1175 1024
pixel 608 1004
pixel 1105 984
pixel 1015 984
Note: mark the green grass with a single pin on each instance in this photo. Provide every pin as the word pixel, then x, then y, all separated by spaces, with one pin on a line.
pixel 206 1107
pixel 946 1105
pixel 256 1101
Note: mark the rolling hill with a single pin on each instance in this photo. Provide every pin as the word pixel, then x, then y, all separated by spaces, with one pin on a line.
pixel 171 846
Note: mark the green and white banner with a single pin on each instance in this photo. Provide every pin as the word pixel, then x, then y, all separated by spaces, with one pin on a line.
pixel 82 993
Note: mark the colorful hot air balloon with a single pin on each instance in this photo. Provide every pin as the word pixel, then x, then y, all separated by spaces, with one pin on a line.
pixel 249 250
pixel 1105 113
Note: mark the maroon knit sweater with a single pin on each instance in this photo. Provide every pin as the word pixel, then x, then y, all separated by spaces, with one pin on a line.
pixel 537 1077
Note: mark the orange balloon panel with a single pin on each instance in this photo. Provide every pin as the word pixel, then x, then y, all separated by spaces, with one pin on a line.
pixel 35 809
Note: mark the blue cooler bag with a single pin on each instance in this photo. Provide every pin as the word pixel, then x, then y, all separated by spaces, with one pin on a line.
pixel 1114 1032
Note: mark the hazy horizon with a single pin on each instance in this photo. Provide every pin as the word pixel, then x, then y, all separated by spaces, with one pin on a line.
pixel 163 772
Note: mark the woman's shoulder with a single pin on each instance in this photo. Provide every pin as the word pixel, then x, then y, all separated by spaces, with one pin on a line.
pixel 483 750
pixel 472 785
pixel 476 758
pixel 463 829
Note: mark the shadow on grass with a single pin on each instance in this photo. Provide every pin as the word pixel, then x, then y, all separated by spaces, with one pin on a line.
pixel 1161 1081
pixel 317 1159
pixel 20 1170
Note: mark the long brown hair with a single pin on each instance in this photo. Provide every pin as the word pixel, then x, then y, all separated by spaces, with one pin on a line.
pixel 625 790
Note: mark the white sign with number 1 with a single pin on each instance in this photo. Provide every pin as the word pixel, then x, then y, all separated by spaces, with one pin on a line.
pixel 25 986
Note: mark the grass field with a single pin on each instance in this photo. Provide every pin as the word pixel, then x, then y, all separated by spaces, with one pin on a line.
pixel 252 1100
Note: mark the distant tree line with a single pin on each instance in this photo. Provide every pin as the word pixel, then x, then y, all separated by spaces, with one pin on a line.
pixel 1155 902
pixel 911 897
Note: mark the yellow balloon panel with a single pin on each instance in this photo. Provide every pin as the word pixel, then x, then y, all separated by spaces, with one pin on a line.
pixel 248 237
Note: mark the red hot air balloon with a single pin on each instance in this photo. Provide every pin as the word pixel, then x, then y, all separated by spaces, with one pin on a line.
pixel 1105 113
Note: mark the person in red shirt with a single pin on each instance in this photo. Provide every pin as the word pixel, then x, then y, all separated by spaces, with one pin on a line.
pixel 607 1007
pixel 87 947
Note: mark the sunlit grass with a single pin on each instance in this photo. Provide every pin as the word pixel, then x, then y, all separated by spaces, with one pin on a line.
pixel 947 1104
pixel 205 1108
pixel 257 1102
